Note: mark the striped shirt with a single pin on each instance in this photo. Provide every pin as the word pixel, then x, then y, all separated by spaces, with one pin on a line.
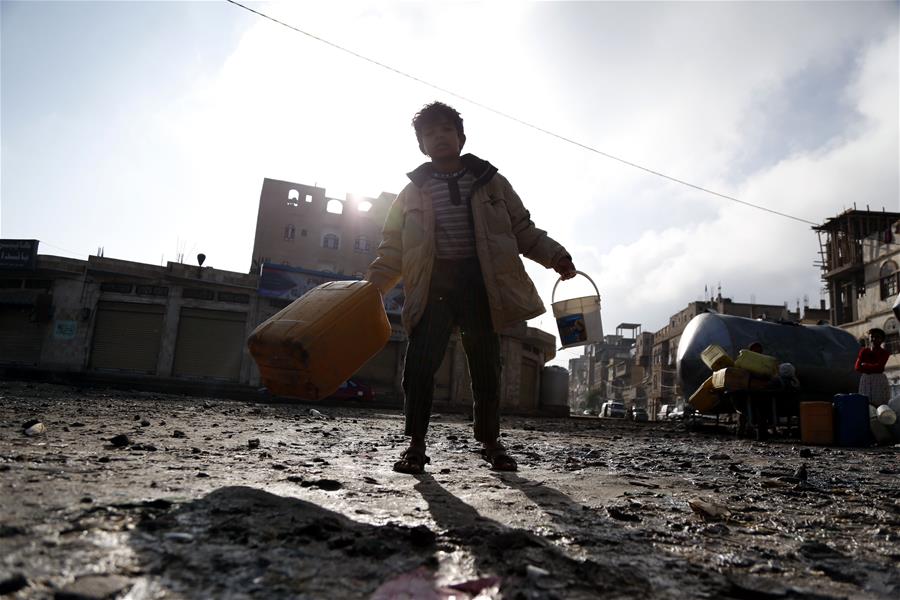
pixel 454 237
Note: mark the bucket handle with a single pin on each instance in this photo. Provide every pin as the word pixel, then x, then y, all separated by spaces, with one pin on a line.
pixel 553 294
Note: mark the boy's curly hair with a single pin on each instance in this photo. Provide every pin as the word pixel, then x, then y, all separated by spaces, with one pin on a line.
pixel 434 113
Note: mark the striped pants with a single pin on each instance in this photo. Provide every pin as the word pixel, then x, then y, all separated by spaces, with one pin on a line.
pixel 457 298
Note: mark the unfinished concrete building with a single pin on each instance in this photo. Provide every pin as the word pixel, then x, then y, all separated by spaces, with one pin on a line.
pixel 299 225
pixel 860 262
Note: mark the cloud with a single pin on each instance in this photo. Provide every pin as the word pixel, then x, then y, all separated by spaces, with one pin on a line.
pixel 753 253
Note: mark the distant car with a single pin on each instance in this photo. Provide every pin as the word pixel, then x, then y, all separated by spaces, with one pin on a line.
pixel 663 412
pixel 676 412
pixel 613 410
pixel 638 414
pixel 353 390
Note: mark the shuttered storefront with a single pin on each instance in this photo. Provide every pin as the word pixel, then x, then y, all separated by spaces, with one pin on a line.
pixel 20 337
pixel 127 336
pixel 210 343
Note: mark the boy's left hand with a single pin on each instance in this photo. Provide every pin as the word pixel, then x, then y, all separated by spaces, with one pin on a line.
pixel 565 267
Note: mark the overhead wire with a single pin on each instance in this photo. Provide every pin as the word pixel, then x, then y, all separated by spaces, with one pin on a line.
pixel 42 242
pixel 518 120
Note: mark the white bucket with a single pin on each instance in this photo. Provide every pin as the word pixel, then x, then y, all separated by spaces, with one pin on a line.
pixel 578 319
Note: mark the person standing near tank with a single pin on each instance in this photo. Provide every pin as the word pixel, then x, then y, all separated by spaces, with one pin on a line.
pixel 870 362
pixel 454 236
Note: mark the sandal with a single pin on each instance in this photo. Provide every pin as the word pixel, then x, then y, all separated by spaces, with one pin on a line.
pixel 500 460
pixel 412 462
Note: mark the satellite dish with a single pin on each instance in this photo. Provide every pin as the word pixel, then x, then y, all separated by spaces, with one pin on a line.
pixel 891 326
pixel 200 258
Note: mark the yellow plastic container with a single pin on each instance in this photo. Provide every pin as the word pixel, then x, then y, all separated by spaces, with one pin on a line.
pixel 716 358
pixel 817 423
pixel 705 399
pixel 758 364
pixel 731 379
pixel 318 341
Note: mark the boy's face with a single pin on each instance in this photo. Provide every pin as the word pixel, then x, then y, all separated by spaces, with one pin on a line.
pixel 441 140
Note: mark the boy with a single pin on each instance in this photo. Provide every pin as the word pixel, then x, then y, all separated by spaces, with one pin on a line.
pixel 454 235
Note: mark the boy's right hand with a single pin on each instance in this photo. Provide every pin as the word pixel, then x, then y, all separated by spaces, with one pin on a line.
pixel 565 267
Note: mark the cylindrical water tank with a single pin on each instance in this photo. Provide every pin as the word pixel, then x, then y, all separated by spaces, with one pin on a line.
pixel 554 386
pixel 823 355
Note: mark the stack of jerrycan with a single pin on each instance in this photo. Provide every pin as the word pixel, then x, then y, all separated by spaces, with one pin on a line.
pixel 317 342
pixel 751 371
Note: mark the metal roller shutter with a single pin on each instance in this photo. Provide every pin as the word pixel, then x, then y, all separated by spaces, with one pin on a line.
pixel 127 336
pixel 210 343
pixel 20 338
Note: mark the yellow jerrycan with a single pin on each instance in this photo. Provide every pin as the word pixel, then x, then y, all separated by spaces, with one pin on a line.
pixel 318 341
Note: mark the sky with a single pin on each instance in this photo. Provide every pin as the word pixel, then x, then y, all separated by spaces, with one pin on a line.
pixel 146 128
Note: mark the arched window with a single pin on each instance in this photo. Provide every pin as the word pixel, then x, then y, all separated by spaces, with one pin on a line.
pixel 290 232
pixel 335 207
pixel 361 244
pixel 889 279
pixel 331 240
pixel 293 198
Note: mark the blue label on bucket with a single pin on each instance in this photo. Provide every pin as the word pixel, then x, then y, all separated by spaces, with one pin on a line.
pixel 572 329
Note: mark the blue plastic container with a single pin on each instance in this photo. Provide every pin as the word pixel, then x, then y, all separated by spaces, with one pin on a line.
pixel 851 420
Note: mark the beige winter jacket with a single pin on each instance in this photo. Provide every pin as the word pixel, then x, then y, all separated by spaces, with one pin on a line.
pixel 503 231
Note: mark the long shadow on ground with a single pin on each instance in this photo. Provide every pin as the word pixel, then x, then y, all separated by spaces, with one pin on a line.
pixel 240 542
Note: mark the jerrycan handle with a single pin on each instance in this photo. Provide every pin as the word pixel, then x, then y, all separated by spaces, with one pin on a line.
pixel 553 294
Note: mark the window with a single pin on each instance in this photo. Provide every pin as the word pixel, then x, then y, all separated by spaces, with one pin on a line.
pixel 289 232
pixel 308 198
pixel 888 279
pixel 361 244
pixel 335 207
pixel 293 198
pixel 364 206
pixel 302 233
pixel 331 240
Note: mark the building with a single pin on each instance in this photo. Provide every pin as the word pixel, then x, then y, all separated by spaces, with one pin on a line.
pixel 108 317
pixel 608 370
pixel 860 262
pixel 299 225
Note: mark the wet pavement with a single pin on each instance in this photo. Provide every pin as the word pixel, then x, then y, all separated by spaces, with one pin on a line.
pixel 142 495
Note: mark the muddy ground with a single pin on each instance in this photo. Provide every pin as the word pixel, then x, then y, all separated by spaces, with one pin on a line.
pixel 213 498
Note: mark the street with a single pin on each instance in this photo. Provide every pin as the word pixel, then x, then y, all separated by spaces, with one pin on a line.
pixel 145 495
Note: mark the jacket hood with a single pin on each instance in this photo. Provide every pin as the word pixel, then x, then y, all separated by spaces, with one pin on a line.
pixel 482 169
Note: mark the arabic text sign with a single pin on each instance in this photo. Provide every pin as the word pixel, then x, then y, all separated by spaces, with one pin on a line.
pixel 18 254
